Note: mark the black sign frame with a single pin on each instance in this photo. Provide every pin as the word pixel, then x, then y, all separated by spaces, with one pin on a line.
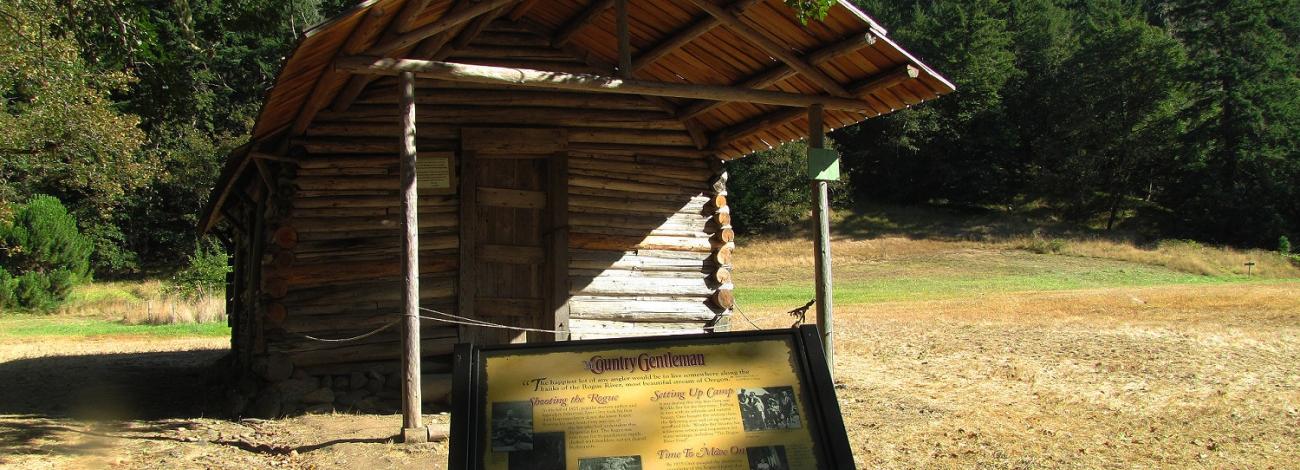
pixel 469 388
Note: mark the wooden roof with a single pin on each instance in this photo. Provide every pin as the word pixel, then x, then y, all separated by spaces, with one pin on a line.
pixel 741 44
pixel 718 55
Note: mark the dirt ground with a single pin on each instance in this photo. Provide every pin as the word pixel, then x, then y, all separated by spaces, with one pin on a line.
pixel 1172 377
pixel 140 403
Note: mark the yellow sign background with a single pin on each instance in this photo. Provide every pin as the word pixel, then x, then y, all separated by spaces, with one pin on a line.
pixel 674 418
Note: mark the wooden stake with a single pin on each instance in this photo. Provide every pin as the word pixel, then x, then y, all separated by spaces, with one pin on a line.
pixel 822 244
pixel 413 430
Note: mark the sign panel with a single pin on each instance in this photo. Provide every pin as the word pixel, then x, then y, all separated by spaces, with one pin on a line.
pixel 750 400
pixel 433 174
pixel 823 164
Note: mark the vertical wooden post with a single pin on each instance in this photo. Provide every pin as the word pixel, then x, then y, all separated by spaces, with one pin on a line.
pixel 624 40
pixel 822 244
pixel 557 245
pixel 413 430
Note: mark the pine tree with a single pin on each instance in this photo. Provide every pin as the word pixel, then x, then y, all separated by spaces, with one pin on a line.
pixel 1238 180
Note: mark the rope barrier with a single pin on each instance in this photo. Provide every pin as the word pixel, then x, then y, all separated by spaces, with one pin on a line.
pixel 459 320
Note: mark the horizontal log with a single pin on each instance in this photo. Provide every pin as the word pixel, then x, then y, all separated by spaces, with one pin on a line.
pixel 432 364
pixel 602 329
pixel 285 237
pixel 724 298
pixel 721 276
pixel 612 193
pixel 596 259
pixel 676 221
pixel 617 205
pixel 359 319
pixel 629 243
pixel 371 201
pixel 585 82
pixel 615 286
pixel 626 184
pixel 515 97
pixel 342 145
pixel 684 187
pixel 588 308
pixel 303 275
pixel 435 388
pixel 369 290
pixel 699 273
pixel 341 224
pixel 291 343
pixel 632 170
pixel 424 210
pixel 429 241
pixel 387 170
pixel 510 115
pixel 723 255
pixel 632 232
pixel 581 139
pixel 370 352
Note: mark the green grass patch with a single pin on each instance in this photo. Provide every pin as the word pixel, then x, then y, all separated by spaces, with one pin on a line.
pixel 949 277
pixel 33 325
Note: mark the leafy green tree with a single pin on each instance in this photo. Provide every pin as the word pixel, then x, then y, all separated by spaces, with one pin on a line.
pixel 63 134
pixel 205 271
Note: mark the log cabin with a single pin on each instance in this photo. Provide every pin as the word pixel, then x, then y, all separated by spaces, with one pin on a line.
pixel 557 167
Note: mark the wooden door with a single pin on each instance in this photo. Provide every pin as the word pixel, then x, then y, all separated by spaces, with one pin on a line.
pixel 513 240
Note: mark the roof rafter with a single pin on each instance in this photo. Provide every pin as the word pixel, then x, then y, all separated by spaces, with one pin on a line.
pixel 324 90
pixel 698 28
pixel 777 51
pixel 586 17
pixel 446 22
pixel 344 97
pixel 780 72
pixel 777 118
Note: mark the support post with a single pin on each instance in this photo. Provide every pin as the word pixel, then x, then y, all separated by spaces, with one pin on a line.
pixel 624 40
pixel 413 429
pixel 822 244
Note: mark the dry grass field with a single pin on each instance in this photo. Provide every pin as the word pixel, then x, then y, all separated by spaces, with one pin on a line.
pixel 952 354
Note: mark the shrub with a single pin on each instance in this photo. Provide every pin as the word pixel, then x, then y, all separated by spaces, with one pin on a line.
pixel 8 286
pixel 42 246
pixel 770 191
pixel 34 291
pixel 205 271
pixel 1284 245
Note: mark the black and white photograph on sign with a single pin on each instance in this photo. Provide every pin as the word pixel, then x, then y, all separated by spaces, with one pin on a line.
pixel 627 462
pixel 512 426
pixel 767 408
pixel 767 458
pixel 547 453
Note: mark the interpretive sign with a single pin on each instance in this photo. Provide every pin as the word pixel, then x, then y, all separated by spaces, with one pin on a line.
pixel 722 401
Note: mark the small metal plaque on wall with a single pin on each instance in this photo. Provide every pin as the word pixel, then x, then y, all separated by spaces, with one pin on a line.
pixel 434 173
pixel 823 164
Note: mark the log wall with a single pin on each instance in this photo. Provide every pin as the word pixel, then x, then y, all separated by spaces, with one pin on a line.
pixel 649 234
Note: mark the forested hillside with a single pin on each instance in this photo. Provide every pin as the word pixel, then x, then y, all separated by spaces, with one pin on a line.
pixel 1176 117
